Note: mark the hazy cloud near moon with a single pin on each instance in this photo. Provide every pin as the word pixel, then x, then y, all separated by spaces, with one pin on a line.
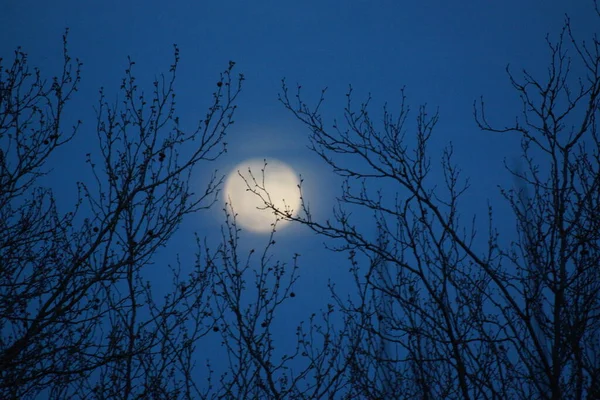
pixel 280 182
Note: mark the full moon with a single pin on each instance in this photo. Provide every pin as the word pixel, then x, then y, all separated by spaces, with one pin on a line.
pixel 276 179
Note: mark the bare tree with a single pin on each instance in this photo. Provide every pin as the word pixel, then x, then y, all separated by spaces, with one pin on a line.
pixel 462 319
pixel 77 315
pixel 250 292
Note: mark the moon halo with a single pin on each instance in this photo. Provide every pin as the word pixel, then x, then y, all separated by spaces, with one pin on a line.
pixel 276 180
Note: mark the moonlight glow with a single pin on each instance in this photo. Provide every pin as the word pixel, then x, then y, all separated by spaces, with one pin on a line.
pixel 280 182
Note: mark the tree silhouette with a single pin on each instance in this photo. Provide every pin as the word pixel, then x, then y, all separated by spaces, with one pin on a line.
pixel 440 315
pixel 442 307
pixel 78 317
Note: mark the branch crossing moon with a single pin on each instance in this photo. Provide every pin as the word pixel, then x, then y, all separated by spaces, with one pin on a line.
pixel 276 182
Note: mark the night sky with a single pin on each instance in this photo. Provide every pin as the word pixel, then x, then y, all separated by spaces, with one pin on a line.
pixel 446 54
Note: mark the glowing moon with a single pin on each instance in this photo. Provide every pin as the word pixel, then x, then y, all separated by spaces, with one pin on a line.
pixel 280 182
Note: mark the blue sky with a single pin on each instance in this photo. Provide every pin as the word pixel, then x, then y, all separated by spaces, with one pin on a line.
pixel 446 54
